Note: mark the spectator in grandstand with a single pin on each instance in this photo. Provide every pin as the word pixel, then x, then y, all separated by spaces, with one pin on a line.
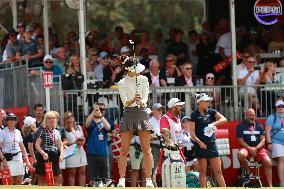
pixel 21 27
pixel 113 72
pixel 116 42
pixel 205 51
pixel 92 61
pixel 135 118
pixel 277 43
pixel 178 48
pixel 202 133
pixel 171 119
pixel 73 79
pixel 76 163
pixel 192 44
pixel 145 43
pixel 269 72
pixel 155 77
pixel 61 59
pixel 248 78
pixel 157 111
pixel 243 64
pixel 215 91
pixel 13 150
pixel 170 70
pixel 97 149
pixel 40 44
pixel 275 138
pixel 104 61
pixel 160 46
pixel 188 150
pixel 29 49
pixel 39 114
pixel 145 60
pixel 49 147
pixel 125 51
pixel 187 78
pixel 48 66
pixel 2 116
pixel 12 47
pixel 251 138
pixel 37 30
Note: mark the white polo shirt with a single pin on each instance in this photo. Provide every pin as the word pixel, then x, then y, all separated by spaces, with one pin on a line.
pixel 10 140
pixel 251 81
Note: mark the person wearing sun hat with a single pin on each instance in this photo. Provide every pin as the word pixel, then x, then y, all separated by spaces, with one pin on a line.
pixel 274 131
pixel 13 150
pixel 134 91
pixel 28 131
pixel 202 133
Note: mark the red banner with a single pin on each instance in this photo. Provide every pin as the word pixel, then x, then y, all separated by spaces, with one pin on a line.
pixel 49 174
pixel 6 176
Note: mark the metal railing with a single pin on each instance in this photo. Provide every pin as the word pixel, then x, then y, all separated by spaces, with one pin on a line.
pixel 18 88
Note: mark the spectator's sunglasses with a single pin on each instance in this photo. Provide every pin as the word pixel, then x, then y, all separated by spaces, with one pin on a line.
pixel 11 119
pixel 210 78
pixel 48 62
pixel 189 68
pixel 280 106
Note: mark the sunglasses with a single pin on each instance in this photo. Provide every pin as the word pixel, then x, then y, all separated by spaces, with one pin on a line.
pixel 49 62
pixel 106 57
pixel 210 78
pixel 11 119
pixel 280 106
pixel 188 68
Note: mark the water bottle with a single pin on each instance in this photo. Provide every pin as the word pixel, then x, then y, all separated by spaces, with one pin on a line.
pixel 201 82
pixel 197 82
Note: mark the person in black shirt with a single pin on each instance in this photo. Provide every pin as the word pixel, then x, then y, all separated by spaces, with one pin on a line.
pixel 113 72
pixel 202 132
pixel 39 114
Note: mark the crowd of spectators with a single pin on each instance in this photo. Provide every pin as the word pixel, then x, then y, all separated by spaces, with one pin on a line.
pixel 203 50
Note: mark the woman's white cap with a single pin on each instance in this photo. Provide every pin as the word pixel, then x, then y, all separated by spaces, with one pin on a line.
pixel 29 120
pixel 203 97
pixel 175 102
pixel 136 68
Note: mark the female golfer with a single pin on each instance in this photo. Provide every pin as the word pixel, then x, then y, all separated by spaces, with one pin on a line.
pixel 134 91
pixel 202 132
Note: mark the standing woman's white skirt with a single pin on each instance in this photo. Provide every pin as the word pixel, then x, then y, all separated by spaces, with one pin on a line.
pixel 16 167
pixel 77 160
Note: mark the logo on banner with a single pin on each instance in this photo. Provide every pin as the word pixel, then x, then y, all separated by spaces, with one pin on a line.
pixel 47 79
pixel 267 11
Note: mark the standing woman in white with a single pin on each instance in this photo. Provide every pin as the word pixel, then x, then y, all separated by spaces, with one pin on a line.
pixel 134 91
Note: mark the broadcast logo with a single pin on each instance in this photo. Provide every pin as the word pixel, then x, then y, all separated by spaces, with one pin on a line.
pixel 267 11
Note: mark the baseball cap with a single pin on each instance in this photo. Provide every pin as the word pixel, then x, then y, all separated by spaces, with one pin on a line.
pixel 185 119
pixel 29 120
pixel 103 54
pixel 203 97
pixel 157 106
pixel 21 24
pixel 175 102
pixel 47 57
pixel 124 49
pixel 210 75
pixel 279 103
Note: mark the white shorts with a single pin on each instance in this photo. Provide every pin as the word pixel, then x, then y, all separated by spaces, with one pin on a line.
pixel 77 160
pixel 277 150
pixel 16 167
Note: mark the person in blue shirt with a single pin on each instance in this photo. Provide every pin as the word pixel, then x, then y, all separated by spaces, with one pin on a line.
pixel 97 149
pixel 202 126
pixel 49 66
pixel 274 130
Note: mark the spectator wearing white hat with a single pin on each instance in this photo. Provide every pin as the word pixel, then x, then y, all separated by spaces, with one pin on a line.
pixel 171 120
pixel 215 92
pixel 134 91
pixel 13 150
pixel 125 51
pixel 103 62
pixel 275 138
pixel 49 66
pixel 202 133
pixel 28 131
